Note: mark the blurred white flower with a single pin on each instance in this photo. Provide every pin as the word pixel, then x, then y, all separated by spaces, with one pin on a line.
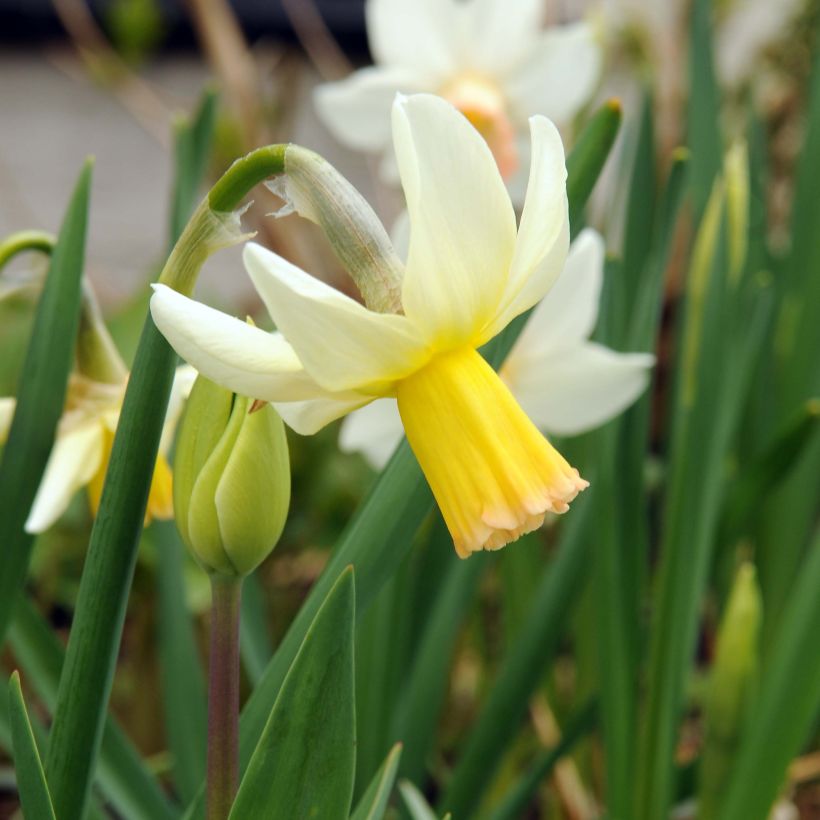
pixel 565 383
pixel 490 58
pixel 82 447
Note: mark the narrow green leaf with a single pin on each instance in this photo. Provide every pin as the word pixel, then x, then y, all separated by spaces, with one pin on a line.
pixel 41 395
pixel 515 802
pixel 769 470
pixel 303 765
pixel 523 668
pixel 588 156
pixel 192 149
pixel 422 697
pixel 639 230
pixel 787 707
pixel 183 679
pixel 373 804
pixel 255 640
pixel 417 806
pixel 703 124
pixel 122 776
pixel 31 780
pixel 380 534
pixel 617 600
pixel 85 683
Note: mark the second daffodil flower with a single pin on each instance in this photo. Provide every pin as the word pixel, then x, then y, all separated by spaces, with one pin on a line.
pixel 565 383
pixel 85 432
pixel 490 58
pixel 469 272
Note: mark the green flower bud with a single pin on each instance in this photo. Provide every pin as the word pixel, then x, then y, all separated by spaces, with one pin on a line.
pixel 231 480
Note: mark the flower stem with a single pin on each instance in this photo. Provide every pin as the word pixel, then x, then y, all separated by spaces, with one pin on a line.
pixel 223 697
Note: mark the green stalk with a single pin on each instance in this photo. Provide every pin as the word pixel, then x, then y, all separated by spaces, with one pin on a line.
pixel 85 684
pixel 223 697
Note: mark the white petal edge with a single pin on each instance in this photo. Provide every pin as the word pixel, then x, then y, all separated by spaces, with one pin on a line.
pixel 462 223
pixel 557 75
pixel 499 31
pixel 341 343
pixel 7 405
pixel 543 235
pixel 240 357
pixel 374 430
pixel 567 314
pixel 581 388
pixel 356 110
pixel 308 417
pixel 72 464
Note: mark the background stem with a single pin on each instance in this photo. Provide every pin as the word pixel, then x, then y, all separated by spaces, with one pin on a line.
pixel 223 697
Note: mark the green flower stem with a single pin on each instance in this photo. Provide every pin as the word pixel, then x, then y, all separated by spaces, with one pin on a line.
pixel 85 683
pixel 246 172
pixel 23 241
pixel 223 696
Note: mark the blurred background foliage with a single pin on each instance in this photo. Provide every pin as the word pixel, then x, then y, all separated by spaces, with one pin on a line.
pixel 600 635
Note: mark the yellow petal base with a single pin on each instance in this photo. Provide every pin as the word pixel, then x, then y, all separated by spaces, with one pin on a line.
pixel 493 474
pixel 160 496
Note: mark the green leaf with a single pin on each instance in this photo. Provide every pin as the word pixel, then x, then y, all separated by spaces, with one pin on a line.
pixel 122 776
pixel 41 395
pixel 523 668
pixel 183 680
pixel 703 124
pixel 31 780
pixel 255 641
pixel 422 697
pixel 303 765
pixel 380 534
pixel 373 804
pixel 192 150
pixel 769 470
pixel 588 156
pixel 85 683
pixel 784 714
pixel 417 806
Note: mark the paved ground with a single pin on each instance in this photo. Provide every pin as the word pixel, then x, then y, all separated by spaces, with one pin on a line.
pixel 52 116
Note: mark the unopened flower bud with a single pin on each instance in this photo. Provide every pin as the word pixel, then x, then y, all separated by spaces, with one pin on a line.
pixel 231 480
pixel 731 687
pixel 315 190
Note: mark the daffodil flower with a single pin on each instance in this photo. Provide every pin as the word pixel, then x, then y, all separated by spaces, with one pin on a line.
pixel 565 383
pixel 469 272
pixel 490 58
pixel 82 447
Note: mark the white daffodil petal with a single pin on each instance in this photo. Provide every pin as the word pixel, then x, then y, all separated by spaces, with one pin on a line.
pixel 341 343
pixel 416 35
pixel 356 110
pixel 7 405
pixel 236 355
pixel 557 75
pixel 73 463
pixel 498 33
pixel 375 431
pixel 567 314
pixel 462 235
pixel 543 236
pixel 184 379
pixel 308 417
pixel 581 388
